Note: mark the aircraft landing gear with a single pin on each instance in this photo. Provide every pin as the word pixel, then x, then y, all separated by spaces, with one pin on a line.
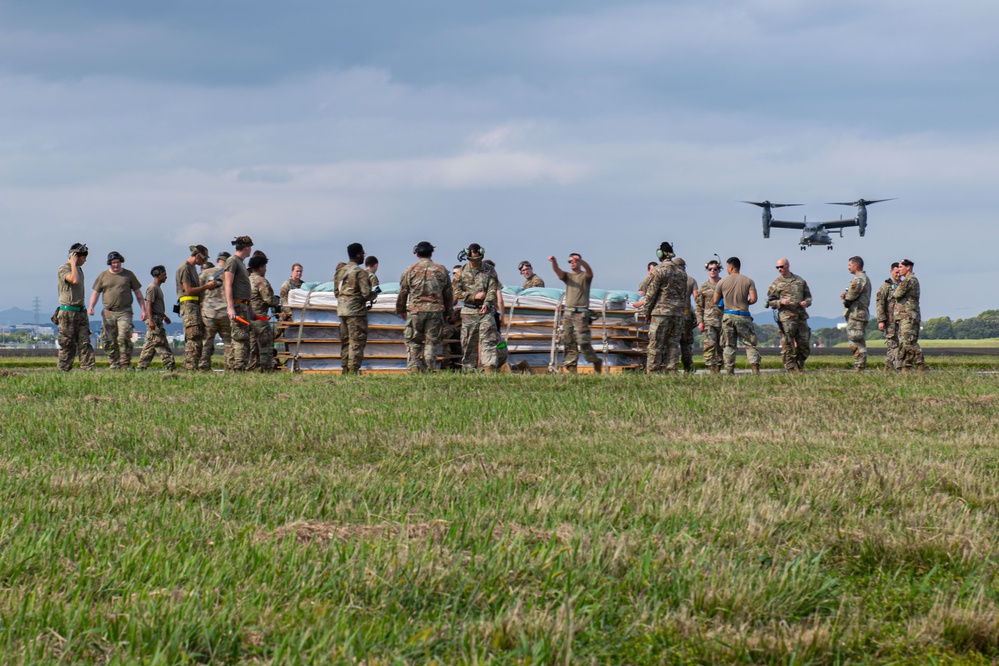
pixel 802 247
pixel 829 247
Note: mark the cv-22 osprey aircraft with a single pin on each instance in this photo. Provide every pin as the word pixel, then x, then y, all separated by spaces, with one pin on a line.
pixel 816 233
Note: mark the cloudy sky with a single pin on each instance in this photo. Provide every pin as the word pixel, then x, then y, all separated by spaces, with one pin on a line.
pixel 533 128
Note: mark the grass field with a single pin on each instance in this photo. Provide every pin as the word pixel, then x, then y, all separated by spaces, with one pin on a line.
pixel 823 518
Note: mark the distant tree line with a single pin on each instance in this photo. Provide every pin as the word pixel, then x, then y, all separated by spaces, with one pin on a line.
pixel 985 325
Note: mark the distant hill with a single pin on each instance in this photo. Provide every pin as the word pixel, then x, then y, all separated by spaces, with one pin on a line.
pixel 13 316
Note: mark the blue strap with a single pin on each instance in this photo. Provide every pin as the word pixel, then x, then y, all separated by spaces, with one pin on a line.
pixel 741 313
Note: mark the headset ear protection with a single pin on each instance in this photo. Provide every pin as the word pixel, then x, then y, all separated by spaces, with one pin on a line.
pixel 423 246
pixel 465 254
pixel 664 248
pixel 716 260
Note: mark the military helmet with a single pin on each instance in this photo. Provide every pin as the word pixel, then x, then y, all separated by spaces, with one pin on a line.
pixel 115 255
pixel 423 247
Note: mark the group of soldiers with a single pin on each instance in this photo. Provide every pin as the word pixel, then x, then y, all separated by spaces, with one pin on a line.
pixel 721 313
pixel 232 299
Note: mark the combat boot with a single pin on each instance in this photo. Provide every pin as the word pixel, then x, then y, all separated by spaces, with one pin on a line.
pixel 570 369
pixel 598 365
pixel 714 369
pixel 730 369
pixel 755 367
pixel 858 370
pixel 921 368
pixel 489 369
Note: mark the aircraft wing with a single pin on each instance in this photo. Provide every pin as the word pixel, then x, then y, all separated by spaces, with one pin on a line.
pixel 787 225
pixel 839 224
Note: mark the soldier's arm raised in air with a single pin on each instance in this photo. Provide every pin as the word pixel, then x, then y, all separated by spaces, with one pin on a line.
pixel 586 268
pixel 559 273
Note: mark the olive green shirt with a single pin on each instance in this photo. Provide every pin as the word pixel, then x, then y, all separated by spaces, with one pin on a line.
pixel 71 294
pixel 577 289
pixel 117 289
pixel 240 278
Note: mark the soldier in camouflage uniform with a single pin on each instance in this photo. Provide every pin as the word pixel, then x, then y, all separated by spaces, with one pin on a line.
pixel 665 303
pixel 734 294
pixel 886 318
pixel 294 282
pixel 71 317
pixel 236 280
pixel 371 265
pixel 156 337
pixel 262 299
pixel 117 284
pixel 789 295
pixel 352 287
pixel 576 312
pixel 907 318
pixel 190 291
pixel 213 314
pixel 856 303
pixel 709 318
pixel 476 288
pixel 426 300
pixel 531 279
pixel 689 322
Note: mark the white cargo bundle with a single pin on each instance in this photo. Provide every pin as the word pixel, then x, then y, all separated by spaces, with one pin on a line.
pixel 531 330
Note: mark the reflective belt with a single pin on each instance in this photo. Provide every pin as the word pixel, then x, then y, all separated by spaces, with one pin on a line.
pixel 741 313
pixel 262 318
pixel 185 299
pixel 240 301
pixel 71 308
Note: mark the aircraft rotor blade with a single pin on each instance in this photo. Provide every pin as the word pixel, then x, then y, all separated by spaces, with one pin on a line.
pixel 858 202
pixel 765 204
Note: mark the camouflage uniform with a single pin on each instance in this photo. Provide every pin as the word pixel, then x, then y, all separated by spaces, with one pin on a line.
pixel 262 298
pixel 286 287
pixel 796 335
pixel 534 281
pixel 687 329
pixel 665 301
pixel 241 304
pixel 352 287
pixel 216 320
pixel 886 316
pixel 156 337
pixel 190 315
pixel 710 315
pixel 907 319
pixel 116 319
pixel 73 322
pixel 857 302
pixel 425 299
pixel 479 335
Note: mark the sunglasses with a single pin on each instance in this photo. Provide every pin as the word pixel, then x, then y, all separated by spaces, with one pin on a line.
pixel 714 268
pixel 780 267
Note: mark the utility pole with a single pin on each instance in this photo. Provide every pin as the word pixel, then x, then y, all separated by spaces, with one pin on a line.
pixel 38 308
